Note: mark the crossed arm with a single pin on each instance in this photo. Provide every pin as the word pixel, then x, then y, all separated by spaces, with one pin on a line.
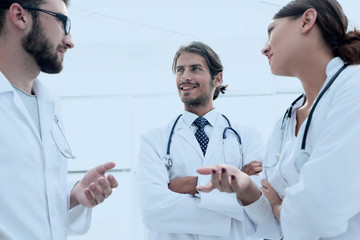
pixel 188 184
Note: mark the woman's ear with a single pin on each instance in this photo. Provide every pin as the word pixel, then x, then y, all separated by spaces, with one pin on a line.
pixel 308 20
pixel 18 16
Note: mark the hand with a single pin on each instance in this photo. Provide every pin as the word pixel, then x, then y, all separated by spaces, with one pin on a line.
pixel 184 185
pixel 94 187
pixel 230 179
pixel 252 168
pixel 273 197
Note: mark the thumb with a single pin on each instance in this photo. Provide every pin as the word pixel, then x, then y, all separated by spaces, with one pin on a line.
pixel 206 188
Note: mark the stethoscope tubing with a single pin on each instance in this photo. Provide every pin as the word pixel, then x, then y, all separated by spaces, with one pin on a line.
pixel 303 143
pixel 168 160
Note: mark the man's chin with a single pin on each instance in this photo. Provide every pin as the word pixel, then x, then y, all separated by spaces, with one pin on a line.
pixel 51 67
pixel 52 70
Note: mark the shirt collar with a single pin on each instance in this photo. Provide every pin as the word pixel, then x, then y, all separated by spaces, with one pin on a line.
pixel 189 117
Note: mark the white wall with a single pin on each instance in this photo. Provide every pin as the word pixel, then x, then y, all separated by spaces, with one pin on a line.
pixel 117 83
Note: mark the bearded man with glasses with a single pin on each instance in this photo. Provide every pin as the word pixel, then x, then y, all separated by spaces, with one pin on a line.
pixel 35 200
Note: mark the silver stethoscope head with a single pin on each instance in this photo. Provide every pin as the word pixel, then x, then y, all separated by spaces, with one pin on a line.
pixel 167 161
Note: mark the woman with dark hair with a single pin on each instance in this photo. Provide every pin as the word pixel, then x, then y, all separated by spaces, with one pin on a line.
pixel 311 185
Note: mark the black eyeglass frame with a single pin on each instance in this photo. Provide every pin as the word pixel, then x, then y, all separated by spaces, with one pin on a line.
pixel 64 19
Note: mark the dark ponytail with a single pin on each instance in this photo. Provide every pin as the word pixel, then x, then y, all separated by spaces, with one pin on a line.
pixel 349 48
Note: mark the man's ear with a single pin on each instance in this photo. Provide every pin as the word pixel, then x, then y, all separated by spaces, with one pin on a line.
pixel 308 20
pixel 19 17
pixel 218 79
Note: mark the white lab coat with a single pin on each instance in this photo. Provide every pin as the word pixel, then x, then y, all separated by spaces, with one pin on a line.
pixel 34 197
pixel 207 216
pixel 322 201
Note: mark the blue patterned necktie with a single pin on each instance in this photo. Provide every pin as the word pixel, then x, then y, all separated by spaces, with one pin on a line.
pixel 200 134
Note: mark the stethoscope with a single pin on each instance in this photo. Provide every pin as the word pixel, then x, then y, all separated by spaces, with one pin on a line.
pixel 168 159
pixel 64 148
pixel 304 155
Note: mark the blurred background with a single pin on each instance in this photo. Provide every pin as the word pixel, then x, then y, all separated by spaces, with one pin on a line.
pixel 117 83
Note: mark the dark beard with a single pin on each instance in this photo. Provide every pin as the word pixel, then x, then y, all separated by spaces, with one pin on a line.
pixel 201 100
pixel 38 46
pixel 198 101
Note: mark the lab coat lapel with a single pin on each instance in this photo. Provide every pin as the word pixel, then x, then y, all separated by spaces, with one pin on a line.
pixel 20 105
pixel 46 104
pixel 6 87
pixel 215 142
pixel 184 132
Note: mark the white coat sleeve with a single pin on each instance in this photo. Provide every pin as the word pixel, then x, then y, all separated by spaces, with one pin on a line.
pixel 259 220
pixel 79 217
pixel 166 211
pixel 327 195
pixel 225 203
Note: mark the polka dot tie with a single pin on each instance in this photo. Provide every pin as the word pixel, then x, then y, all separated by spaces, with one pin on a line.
pixel 200 134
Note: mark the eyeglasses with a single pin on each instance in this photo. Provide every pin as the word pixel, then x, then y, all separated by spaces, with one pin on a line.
pixel 64 19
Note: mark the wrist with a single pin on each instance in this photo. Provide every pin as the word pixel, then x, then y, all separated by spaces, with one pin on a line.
pixel 251 195
pixel 73 199
pixel 192 186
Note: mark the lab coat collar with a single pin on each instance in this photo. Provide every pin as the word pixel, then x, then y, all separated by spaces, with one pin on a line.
pixel 46 103
pixel 333 66
pixel 5 85
pixel 189 117
pixel 39 89
pixel 42 92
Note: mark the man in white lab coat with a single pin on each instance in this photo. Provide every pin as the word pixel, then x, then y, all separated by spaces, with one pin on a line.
pixel 35 200
pixel 171 206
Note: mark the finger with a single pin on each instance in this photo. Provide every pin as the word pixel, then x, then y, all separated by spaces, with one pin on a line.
pixel 112 180
pixel 104 187
pixel 224 182
pixel 255 170
pixel 215 179
pixel 91 201
pixel 264 183
pixel 205 170
pixel 234 184
pixel 99 196
pixel 102 169
pixel 257 162
pixel 206 188
pixel 264 190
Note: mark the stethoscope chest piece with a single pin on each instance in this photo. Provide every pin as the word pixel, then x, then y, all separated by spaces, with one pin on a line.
pixel 301 159
pixel 167 161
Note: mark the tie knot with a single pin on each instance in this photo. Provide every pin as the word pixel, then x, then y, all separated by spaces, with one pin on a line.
pixel 201 122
